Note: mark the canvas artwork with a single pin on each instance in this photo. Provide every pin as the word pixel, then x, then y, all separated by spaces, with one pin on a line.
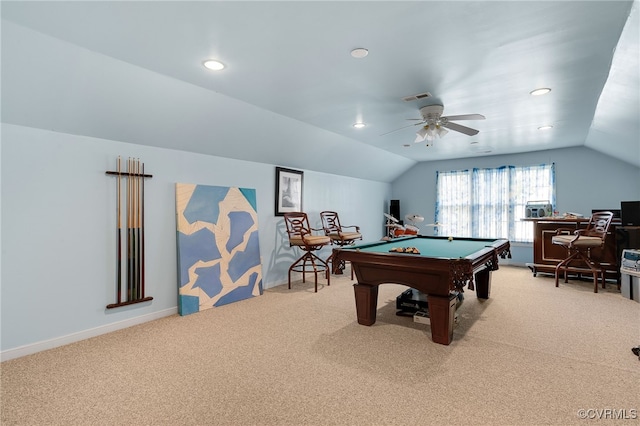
pixel 218 250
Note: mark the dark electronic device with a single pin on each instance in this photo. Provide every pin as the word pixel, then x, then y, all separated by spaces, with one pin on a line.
pixel 411 301
pixel 394 209
pixel 630 213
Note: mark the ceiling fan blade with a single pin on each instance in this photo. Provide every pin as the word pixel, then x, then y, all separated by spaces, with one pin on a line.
pixel 403 127
pixel 465 117
pixel 462 129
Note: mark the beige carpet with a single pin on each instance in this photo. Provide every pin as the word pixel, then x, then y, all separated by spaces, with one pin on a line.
pixel 532 354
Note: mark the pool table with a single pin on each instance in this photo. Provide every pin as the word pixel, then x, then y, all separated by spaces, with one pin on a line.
pixel 441 270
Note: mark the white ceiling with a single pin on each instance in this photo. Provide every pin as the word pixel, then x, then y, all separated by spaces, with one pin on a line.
pixel 132 71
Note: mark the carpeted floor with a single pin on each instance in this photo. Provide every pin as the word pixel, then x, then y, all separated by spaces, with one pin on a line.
pixel 532 354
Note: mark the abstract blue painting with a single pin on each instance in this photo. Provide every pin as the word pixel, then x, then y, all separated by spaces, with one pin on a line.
pixel 218 247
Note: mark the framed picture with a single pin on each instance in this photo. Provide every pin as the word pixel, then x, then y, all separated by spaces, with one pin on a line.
pixel 288 191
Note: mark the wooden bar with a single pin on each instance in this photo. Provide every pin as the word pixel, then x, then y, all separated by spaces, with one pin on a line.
pixel 128 174
pixel 547 255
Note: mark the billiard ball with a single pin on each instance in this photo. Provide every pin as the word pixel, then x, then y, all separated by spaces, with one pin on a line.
pixel 450 239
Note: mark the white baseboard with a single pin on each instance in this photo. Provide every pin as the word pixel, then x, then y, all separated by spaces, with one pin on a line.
pixel 82 335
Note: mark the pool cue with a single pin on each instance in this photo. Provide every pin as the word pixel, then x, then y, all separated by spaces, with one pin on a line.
pixel 134 210
pixel 128 219
pixel 142 233
pixel 118 239
pixel 132 178
pixel 132 229
pixel 137 202
pixel 129 233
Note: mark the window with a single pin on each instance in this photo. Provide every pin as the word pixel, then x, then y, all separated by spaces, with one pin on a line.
pixel 489 203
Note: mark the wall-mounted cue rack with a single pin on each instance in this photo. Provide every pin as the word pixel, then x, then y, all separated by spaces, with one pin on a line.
pixel 130 204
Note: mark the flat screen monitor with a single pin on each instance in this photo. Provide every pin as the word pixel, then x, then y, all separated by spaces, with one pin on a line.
pixel 630 213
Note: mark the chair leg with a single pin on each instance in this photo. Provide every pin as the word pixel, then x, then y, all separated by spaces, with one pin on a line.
pixel 564 265
pixel 315 268
pixel 314 260
pixel 324 264
pixel 594 270
pixel 294 265
pixel 329 261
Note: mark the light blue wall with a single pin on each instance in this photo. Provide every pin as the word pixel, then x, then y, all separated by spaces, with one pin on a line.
pixel 58 222
pixel 58 230
pixel 585 179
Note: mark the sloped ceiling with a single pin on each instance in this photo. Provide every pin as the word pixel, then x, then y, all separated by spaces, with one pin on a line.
pixel 132 71
pixel 616 122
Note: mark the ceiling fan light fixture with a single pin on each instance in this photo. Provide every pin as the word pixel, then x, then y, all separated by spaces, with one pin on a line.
pixel 213 65
pixel 540 91
pixel 421 135
pixel 434 125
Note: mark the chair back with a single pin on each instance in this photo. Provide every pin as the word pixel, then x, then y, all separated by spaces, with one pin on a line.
pixel 297 225
pixel 330 222
pixel 341 235
pixel 598 225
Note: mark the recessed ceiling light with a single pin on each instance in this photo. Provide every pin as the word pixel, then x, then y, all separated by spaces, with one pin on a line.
pixel 545 127
pixel 541 91
pixel 360 52
pixel 359 125
pixel 213 65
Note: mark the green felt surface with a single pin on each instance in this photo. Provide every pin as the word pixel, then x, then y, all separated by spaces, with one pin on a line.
pixel 429 247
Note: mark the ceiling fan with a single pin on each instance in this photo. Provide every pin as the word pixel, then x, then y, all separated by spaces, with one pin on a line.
pixel 435 125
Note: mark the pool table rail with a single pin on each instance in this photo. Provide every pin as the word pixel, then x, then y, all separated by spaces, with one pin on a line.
pixel 432 272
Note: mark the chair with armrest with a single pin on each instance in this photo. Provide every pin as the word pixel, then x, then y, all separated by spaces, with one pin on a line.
pixel 340 236
pixel 579 244
pixel 301 235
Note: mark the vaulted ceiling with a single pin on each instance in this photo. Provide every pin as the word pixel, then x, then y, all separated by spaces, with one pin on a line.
pixel 291 91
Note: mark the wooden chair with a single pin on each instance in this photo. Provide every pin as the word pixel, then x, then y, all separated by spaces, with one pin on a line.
pixel 336 232
pixel 301 236
pixel 580 243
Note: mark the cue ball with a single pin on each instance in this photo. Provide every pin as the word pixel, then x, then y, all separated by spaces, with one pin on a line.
pixel 450 239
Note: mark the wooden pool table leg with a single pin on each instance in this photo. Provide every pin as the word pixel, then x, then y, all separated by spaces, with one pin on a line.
pixel 366 303
pixel 483 283
pixel 442 311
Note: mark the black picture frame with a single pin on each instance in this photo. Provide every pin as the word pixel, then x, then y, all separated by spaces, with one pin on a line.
pixel 288 197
